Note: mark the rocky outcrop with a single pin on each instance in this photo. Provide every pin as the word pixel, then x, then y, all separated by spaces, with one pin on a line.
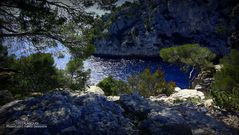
pixel 61 113
pixel 66 112
pixel 94 90
pixel 144 27
pixel 180 119
pixel 203 81
pixel 181 95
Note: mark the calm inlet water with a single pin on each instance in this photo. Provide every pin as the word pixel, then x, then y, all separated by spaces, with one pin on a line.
pixel 101 67
pixel 122 69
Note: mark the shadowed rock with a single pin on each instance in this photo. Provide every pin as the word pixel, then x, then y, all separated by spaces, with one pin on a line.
pixel 66 112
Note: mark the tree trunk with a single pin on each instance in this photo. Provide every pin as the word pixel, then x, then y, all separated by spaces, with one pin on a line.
pixel 191 72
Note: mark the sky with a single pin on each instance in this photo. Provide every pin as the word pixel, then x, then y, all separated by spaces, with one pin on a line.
pixel 102 12
pixel 22 48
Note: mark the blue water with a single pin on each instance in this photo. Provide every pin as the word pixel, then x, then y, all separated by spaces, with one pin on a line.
pixel 122 69
pixel 101 67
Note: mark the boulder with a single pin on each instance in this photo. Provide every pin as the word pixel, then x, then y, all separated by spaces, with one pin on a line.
pixel 182 95
pixel 177 89
pixel 60 113
pixel 175 119
pixel 95 90
pixel 208 103
pixel 188 93
pixel 218 67
pixel 113 98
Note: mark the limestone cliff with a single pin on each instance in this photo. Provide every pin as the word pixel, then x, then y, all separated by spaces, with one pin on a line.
pixel 144 27
pixel 71 113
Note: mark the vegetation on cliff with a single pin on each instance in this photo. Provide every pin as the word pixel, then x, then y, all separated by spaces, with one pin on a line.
pixel 225 89
pixel 192 55
pixel 226 84
pixel 151 84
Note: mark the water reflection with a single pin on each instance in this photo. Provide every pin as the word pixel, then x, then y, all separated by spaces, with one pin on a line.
pixel 123 68
pixel 101 67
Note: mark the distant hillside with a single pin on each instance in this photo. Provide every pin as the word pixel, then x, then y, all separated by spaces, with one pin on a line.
pixel 144 27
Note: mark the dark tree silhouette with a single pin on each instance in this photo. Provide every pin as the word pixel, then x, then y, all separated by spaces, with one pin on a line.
pixel 49 20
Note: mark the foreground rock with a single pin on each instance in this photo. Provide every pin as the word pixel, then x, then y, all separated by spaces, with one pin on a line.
pixel 61 113
pixel 95 90
pixel 65 112
pixel 180 119
pixel 181 95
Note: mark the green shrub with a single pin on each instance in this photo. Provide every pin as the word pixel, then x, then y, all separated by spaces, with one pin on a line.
pixel 228 100
pixel 189 54
pixel 76 77
pixel 226 84
pixel 148 84
pixel 36 73
pixel 113 87
pixel 192 55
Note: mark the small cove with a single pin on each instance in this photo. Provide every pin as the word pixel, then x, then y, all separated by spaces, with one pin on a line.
pixel 123 68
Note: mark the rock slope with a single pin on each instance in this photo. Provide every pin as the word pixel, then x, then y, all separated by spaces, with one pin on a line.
pixel 144 27
pixel 66 112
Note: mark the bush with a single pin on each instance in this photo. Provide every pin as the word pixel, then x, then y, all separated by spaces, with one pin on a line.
pixel 36 73
pixel 189 54
pixel 113 87
pixel 148 84
pixel 226 84
pixel 228 100
pixel 77 78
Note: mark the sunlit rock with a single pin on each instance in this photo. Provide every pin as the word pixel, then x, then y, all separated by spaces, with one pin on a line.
pixel 181 95
pixel 177 89
pixel 62 112
pixel 95 90
pixel 113 98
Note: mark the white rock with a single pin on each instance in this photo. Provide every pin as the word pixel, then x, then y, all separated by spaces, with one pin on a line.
pixel 95 90
pixel 188 93
pixel 161 99
pixel 177 89
pixel 198 87
pixel 113 98
pixel 208 103
pixel 182 95
pixel 218 67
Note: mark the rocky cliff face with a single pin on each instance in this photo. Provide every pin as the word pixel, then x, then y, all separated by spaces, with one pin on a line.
pixel 144 27
pixel 65 112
